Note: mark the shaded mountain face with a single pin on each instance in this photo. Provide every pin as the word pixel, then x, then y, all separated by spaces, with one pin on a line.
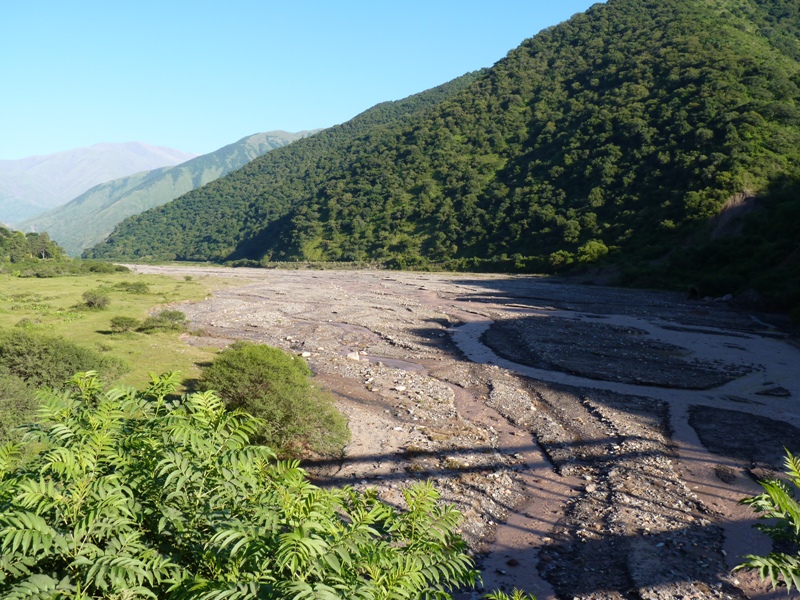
pixel 617 133
pixel 89 218
pixel 29 186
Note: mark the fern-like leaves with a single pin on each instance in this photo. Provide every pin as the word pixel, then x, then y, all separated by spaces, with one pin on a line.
pixel 779 505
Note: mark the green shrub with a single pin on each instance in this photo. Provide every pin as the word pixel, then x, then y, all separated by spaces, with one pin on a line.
pixel 50 361
pixel 515 595
pixel 592 251
pixel 779 507
pixel 133 287
pixel 122 324
pixel 275 387
pixel 95 299
pixel 166 320
pixel 17 405
pixel 28 323
pixel 147 498
pixel 105 267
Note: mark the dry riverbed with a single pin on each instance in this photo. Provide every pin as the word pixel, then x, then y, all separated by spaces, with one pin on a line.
pixel 596 440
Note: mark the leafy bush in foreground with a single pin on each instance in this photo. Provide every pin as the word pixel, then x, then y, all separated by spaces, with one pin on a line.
pixel 133 496
pixel 779 505
pixel 275 387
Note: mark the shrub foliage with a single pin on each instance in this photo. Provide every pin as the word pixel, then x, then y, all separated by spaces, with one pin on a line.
pixel 95 299
pixel 274 386
pixel 779 507
pixel 166 320
pixel 43 360
pixel 122 324
pixel 136 496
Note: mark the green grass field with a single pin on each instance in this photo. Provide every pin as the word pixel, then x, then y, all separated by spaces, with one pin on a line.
pixel 54 306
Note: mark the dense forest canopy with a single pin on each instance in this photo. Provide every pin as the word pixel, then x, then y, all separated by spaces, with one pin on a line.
pixel 18 247
pixel 617 133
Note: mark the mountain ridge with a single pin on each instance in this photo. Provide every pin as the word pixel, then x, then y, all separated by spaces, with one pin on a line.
pixel 88 218
pixel 36 183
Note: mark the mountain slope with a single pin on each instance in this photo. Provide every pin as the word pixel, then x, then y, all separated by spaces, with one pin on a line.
pixel 236 207
pixel 622 130
pixel 31 185
pixel 89 218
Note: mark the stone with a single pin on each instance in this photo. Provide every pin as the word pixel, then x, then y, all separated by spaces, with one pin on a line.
pixel 777 391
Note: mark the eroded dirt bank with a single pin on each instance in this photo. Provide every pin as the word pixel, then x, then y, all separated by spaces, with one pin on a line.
pixel 596 440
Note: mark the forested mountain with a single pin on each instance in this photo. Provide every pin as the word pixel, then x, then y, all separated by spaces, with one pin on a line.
pixel 29 186
pixel 618 132
pixel 211 221
pixel 89 218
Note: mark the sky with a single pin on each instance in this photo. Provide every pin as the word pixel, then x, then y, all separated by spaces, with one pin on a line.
pixel 198 75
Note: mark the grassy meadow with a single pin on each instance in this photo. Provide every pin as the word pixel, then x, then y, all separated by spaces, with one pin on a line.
pixel 55 306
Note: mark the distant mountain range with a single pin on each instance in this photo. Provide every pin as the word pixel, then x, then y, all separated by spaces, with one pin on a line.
pixel 614 137
pixel 89 218
pixel 29 186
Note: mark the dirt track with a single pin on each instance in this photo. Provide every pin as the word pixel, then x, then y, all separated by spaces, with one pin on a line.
pixel 596 440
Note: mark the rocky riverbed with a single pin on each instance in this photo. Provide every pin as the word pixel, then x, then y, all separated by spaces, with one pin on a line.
pixel 596 440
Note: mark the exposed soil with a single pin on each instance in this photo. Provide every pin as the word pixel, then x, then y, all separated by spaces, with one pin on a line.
pixel 597 440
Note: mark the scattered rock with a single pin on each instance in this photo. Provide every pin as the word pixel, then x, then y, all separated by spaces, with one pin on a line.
pixel 725 474
pixel 777 391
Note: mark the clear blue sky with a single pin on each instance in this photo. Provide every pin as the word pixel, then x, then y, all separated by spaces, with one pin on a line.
pixel 198 75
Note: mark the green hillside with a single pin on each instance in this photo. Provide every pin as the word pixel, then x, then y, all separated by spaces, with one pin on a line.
pixel 616 134
pixel 89 218
pixel 212 221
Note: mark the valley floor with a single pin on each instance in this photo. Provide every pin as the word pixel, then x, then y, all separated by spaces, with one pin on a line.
pixel 596 440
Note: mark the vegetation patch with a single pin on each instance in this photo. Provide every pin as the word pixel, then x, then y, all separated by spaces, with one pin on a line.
pixel 95 299
pixel 166 320
pixel 62 317
pixel 297 417
pixel 779 512
pixel 172 501
pixel 44 360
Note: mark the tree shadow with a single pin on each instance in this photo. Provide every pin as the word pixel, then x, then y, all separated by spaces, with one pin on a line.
pixel 590 550
pixel 584 557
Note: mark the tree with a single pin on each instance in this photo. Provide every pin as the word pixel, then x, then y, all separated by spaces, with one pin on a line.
pixel 134 495
pixel 780 507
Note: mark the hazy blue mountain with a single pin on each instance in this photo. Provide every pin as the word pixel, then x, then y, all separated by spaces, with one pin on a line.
pixel 89 218
pixel 29 186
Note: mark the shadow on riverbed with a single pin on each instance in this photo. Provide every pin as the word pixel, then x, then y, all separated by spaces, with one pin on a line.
pixel 552 293
pixel 583 557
